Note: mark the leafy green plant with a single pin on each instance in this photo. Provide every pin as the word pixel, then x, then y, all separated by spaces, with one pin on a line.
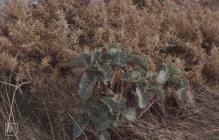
pixel 115 83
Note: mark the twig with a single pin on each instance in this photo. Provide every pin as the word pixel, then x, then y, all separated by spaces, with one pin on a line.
pixel 78 126
pixel 116 133
pixel 214 130
pixel 49 121
pixel 13 97
pixel 210 90
pixel 17 87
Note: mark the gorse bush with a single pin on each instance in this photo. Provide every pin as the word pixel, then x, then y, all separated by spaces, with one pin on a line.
pixel 117 83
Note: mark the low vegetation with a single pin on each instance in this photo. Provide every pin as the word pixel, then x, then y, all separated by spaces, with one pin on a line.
pixel 123 83
pixel 101 69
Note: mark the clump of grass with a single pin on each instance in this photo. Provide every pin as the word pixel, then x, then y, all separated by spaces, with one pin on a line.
pixel 7 62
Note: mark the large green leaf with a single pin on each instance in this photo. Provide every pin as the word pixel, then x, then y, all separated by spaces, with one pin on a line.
pixel 96 56
pixel 107 71
pixel 130 114
pixel 87 83
pixel 133 75
pixel 142 98
pixel 155 89
pixel 113 55
pixel 80 125
pixel 144 93
pixel 119 56
pixel 116 122
pixel 100 117
pixel 106 58
pixel 162 76
pixel 138 60
pixel 114 50
pixel 168 72
pixel 116 104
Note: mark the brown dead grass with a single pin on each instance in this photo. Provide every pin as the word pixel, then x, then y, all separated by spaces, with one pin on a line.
pixel 35 39
pixel 197 123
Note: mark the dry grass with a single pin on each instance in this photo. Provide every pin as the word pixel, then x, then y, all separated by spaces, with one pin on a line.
pixel 197 123
pixel 36 38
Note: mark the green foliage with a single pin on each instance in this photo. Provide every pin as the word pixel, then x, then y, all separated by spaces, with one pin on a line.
pixel 108 111
pixel 138 60
pixel 88 81
pixel 116 104
pixel 130 114
pixel 162 76
pixel 142 98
